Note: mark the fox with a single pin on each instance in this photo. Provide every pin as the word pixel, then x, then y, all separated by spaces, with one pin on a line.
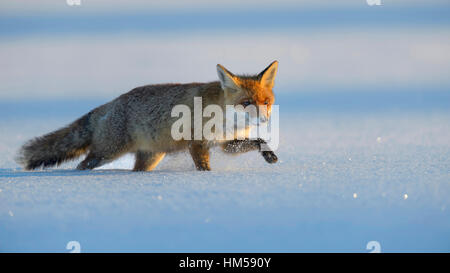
pixel 139 122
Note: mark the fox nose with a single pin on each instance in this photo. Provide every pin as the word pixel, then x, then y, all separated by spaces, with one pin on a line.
pixel 264 113
pixel 263 119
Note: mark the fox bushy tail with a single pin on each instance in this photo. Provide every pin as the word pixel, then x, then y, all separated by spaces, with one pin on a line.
pixel 56 147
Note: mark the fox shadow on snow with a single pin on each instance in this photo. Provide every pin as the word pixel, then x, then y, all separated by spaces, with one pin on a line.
pixel 69 172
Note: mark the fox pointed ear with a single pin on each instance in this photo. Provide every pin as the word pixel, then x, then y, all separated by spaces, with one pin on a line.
pixel 227 79
pixel 267 76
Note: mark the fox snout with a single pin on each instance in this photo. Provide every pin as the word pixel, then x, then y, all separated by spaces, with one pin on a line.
pixel 263 119
pixel 258 116
pixel 264 113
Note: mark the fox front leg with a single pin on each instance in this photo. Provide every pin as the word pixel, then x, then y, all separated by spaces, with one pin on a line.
pixel 200 154
pixel 246 145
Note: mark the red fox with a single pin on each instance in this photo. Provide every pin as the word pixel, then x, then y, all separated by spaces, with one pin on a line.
pixel 140 122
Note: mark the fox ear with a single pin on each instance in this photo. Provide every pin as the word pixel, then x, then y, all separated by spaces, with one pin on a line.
pixel 267 76
pixel 227 79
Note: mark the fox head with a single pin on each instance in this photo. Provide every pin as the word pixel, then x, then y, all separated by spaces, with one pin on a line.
pixel 250 90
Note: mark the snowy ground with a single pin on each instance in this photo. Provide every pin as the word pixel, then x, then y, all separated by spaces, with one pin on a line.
pixel 344 178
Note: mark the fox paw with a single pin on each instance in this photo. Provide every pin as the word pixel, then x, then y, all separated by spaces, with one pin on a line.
pixel 270 156
pixel 203 167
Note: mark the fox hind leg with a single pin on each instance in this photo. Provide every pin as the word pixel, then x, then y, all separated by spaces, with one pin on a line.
pixel 97 158
pixel 90 162
pixel 147 161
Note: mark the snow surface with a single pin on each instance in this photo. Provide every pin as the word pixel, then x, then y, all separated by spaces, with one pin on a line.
pixel 344 179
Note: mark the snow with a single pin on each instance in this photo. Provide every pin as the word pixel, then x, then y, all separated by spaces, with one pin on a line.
pixel 343 179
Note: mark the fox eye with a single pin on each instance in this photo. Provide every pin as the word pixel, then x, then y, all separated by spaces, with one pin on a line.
pixel 266 102
pixel 246 103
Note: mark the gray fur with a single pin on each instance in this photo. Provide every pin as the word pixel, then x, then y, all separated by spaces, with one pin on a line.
pixel 136 122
